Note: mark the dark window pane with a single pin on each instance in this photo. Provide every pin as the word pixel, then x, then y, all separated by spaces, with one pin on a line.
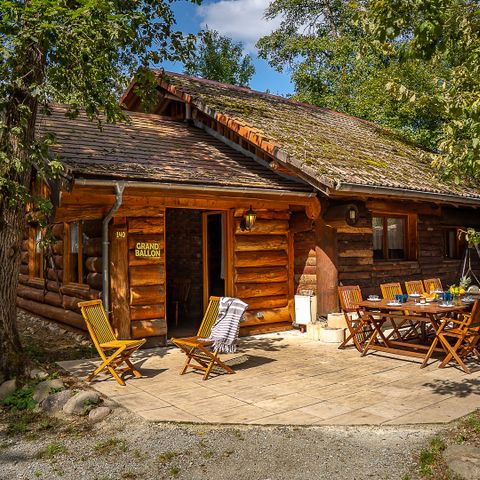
pixel 396 238
pixel 377 227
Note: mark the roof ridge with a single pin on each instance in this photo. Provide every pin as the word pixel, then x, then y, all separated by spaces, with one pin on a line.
pixel 291 101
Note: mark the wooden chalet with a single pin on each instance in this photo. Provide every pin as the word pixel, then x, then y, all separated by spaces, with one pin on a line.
pixel 152 217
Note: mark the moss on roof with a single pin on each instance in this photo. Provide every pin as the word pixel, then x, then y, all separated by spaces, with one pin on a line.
pixel 338 148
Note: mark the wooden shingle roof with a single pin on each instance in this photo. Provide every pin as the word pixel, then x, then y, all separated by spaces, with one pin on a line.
pixel 336 150
pixel 150 148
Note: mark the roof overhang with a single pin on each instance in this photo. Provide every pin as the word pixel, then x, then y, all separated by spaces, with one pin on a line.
pixel 403 193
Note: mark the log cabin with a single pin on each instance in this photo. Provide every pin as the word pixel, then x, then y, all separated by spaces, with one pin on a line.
pixel 153 215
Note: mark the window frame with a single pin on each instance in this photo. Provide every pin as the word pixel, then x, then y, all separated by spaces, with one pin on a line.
pixel 410 236
pixel 67 254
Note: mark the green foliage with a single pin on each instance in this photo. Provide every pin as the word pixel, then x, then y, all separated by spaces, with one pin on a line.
pixel 21 399
pixel 439 32
pixel 111 445
pixel 219 58
pixel 472 236
pixel 52 450
pixel 335 63
pixel 410 65
pixel 429 456
pixel 81 53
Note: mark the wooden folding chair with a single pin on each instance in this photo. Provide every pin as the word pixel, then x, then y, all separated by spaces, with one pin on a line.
pixel 465 335
pixel 414 286
pixel 432 285
pixel 197 349
pixel 357 322
pixel 106 341
pixel 389 291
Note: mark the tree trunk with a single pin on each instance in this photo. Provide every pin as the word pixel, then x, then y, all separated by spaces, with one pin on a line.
pixel 20 115
pixel 11 233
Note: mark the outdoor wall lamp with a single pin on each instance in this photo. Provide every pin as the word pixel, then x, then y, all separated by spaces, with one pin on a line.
pixel 248 220
pixel 351 216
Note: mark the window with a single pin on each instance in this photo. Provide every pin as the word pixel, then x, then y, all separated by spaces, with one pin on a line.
pixel 35 266
pixel 74 256
pixel 454 247
pixel 390 239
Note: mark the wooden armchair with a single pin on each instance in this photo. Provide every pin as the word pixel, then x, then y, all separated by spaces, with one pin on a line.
pixel 389 290
pixel 414 286
pixel 465 336
pixel 358 323
pixel 197 348
pixel 405 329
pixel 112 351
pixel 433 284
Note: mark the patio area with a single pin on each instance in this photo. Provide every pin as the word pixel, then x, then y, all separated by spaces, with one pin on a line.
pixel 287 379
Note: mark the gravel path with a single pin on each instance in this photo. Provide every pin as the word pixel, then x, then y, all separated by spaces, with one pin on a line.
pixel 126 447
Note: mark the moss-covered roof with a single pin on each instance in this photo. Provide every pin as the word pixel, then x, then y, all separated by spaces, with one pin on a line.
pixel 331 148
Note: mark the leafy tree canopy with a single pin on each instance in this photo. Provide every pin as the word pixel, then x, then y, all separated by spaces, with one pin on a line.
pixel 221 59
pixel 439 31
pixel 79 52
pixel 343 57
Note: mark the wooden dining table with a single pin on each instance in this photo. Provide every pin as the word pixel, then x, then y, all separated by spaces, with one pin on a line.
pixel 410 315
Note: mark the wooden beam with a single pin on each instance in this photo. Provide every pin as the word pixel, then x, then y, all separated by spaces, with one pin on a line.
pixel 119 284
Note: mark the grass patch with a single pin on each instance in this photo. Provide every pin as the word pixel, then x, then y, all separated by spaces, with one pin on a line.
pixel 428 456
pixel 473 423
pixel 21 399
pixel 52 450
pixel 174 471
pixel 111 445
pixel 167 457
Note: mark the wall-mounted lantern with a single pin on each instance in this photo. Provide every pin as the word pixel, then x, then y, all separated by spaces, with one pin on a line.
pixel 351 216
pixel 248 220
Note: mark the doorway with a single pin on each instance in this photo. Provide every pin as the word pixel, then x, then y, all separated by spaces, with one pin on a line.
pixel 195 266
pixel 213 226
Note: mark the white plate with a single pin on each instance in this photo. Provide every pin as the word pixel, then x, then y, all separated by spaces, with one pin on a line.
pixel 373 299
pixel 394 304
pixel 414 295
pixel 446 305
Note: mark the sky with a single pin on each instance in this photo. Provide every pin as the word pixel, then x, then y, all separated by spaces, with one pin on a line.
pixel 241 20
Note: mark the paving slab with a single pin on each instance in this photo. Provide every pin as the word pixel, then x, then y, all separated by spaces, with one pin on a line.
pixel 286 379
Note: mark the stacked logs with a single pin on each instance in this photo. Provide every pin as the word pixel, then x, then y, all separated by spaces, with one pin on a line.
pixel 147 278
pixel 49 297
pixel 261 272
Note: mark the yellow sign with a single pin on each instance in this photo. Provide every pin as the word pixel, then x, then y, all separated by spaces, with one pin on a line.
pixel 147 249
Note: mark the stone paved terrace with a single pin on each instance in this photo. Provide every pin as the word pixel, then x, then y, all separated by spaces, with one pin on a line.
pixel 288 379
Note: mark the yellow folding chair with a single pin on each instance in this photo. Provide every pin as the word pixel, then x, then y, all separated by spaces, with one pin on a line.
pixel 105 341
pixel 414 286
pixel 197 350
pixel 432 285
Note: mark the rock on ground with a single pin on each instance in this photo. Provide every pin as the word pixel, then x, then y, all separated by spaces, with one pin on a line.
pixel 36 373
pixel 7 388
pixel 55 402
pixel 98 414
pixel 43 389
pixel 77 404
pixel 463 460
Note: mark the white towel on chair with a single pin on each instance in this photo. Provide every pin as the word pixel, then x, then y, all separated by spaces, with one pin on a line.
pixel 225 329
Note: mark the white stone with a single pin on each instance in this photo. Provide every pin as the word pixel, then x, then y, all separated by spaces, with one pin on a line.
pixel 332 335
pixel 7 388
pixel 37 373
pixel 77 404
pixel 336 320
pixel 98 414
pixel 43 389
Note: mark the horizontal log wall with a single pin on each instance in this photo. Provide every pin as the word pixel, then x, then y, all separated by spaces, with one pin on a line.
pixel 147 277
pixel 261 271
pixel 50 297
pixel 357 267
